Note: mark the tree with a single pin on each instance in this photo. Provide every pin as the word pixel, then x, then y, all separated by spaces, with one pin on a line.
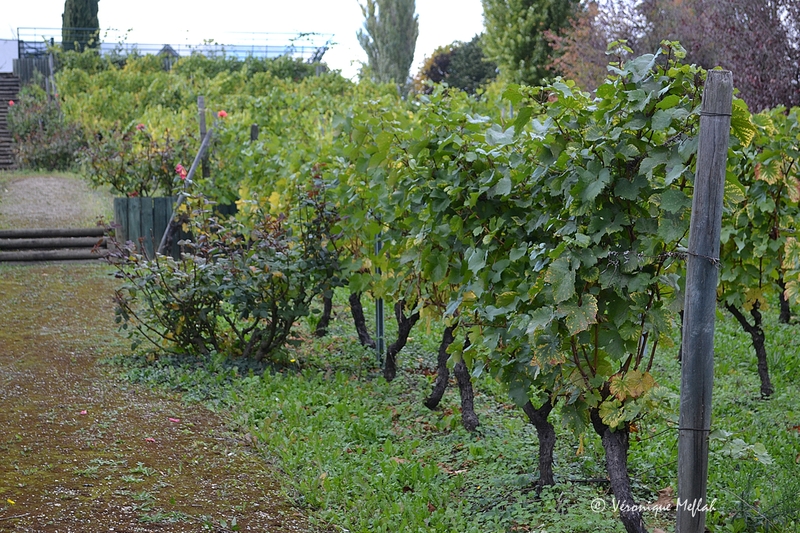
pixel 80 26
pixel 516 39
pixel 469 68
pixel 389 38
pixel 758 40
pixel 460 65
pixel 581 49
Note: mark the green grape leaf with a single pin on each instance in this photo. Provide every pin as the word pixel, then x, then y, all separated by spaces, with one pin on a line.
pixel 561 278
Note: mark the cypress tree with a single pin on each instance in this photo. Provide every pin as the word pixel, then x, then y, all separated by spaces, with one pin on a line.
pixel 389 38
pixel 80 27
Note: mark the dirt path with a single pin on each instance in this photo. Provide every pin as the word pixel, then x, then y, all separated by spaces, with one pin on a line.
pixel 81 451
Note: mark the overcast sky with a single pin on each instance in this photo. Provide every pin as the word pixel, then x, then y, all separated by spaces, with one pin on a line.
pixel 191 21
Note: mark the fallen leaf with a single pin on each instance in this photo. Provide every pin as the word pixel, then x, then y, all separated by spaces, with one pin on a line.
pixel 666 498
pixel 10 501
pixel 84 412
pixel 149 439
pixel 175 420
pixel 431 507
pixel 399 460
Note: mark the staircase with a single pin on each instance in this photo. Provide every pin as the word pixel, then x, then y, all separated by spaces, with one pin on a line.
pixel 52 244
pixel 9 89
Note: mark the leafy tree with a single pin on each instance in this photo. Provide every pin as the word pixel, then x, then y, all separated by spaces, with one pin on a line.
pixel 581 50
pixel 756 40
pixel 80 26
pixel 389 38
pixel 469 67
pixel 460 65
pixel 435 68
pixel 516 32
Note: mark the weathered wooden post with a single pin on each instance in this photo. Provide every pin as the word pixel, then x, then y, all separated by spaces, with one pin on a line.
pixel 201 110
pixel 697 344
pixel 380 335
pixel 174 225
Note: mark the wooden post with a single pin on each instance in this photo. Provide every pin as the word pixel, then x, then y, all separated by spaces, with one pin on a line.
pixel 52 77
pixel 172 227
pixel 201 110
pixel 380 335
pixel 253 132
pixel 697 344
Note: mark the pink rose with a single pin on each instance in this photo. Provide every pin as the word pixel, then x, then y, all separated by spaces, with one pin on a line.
pixel 10 103
pixel 181 171
pixel 222 114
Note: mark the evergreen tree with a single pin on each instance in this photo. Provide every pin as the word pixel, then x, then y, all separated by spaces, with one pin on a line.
pixel 80 27
pixel 469 68
pixel 460 65
pixel 389 38
pixel 516 39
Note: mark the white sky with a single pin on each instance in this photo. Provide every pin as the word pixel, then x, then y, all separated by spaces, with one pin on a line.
pixel 191 21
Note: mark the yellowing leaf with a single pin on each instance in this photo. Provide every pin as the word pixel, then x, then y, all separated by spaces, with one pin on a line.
pixel 632 384
pixel 769 172
pixel 612 412
pixel 792 292
pixel 751 296
pixel 274 201
pixel 741 122
pixel 562 279
pixel 792 248
pixel 580 317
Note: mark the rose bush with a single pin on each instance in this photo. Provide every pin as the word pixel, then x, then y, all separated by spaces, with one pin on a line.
pixel 43 137
pixel 236 291
pixel 133 162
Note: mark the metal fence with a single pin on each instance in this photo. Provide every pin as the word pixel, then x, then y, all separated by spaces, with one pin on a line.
pixel 30 69
pixel 35 43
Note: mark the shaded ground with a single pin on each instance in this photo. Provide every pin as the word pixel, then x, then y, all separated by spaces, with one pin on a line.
pixel 82 451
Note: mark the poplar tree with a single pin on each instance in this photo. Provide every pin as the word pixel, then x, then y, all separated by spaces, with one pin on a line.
pixel 516 35
pixel 389 37
pixel 79 25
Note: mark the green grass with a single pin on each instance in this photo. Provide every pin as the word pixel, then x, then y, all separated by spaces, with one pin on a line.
pixel 366 455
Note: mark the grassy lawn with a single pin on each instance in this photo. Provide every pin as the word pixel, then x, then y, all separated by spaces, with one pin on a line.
pixel 365 455
pixel 31 199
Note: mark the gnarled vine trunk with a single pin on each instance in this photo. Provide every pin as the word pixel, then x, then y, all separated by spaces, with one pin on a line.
pixel 325 319
pixel 786 311
pixel 547 439
pixel 358 319
pixel 469 418
pixel 442 372
pixel 615 444
pixel 404 325
pixel 758 337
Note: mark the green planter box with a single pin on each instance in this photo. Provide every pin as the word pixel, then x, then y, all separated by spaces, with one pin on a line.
pixel 143 221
